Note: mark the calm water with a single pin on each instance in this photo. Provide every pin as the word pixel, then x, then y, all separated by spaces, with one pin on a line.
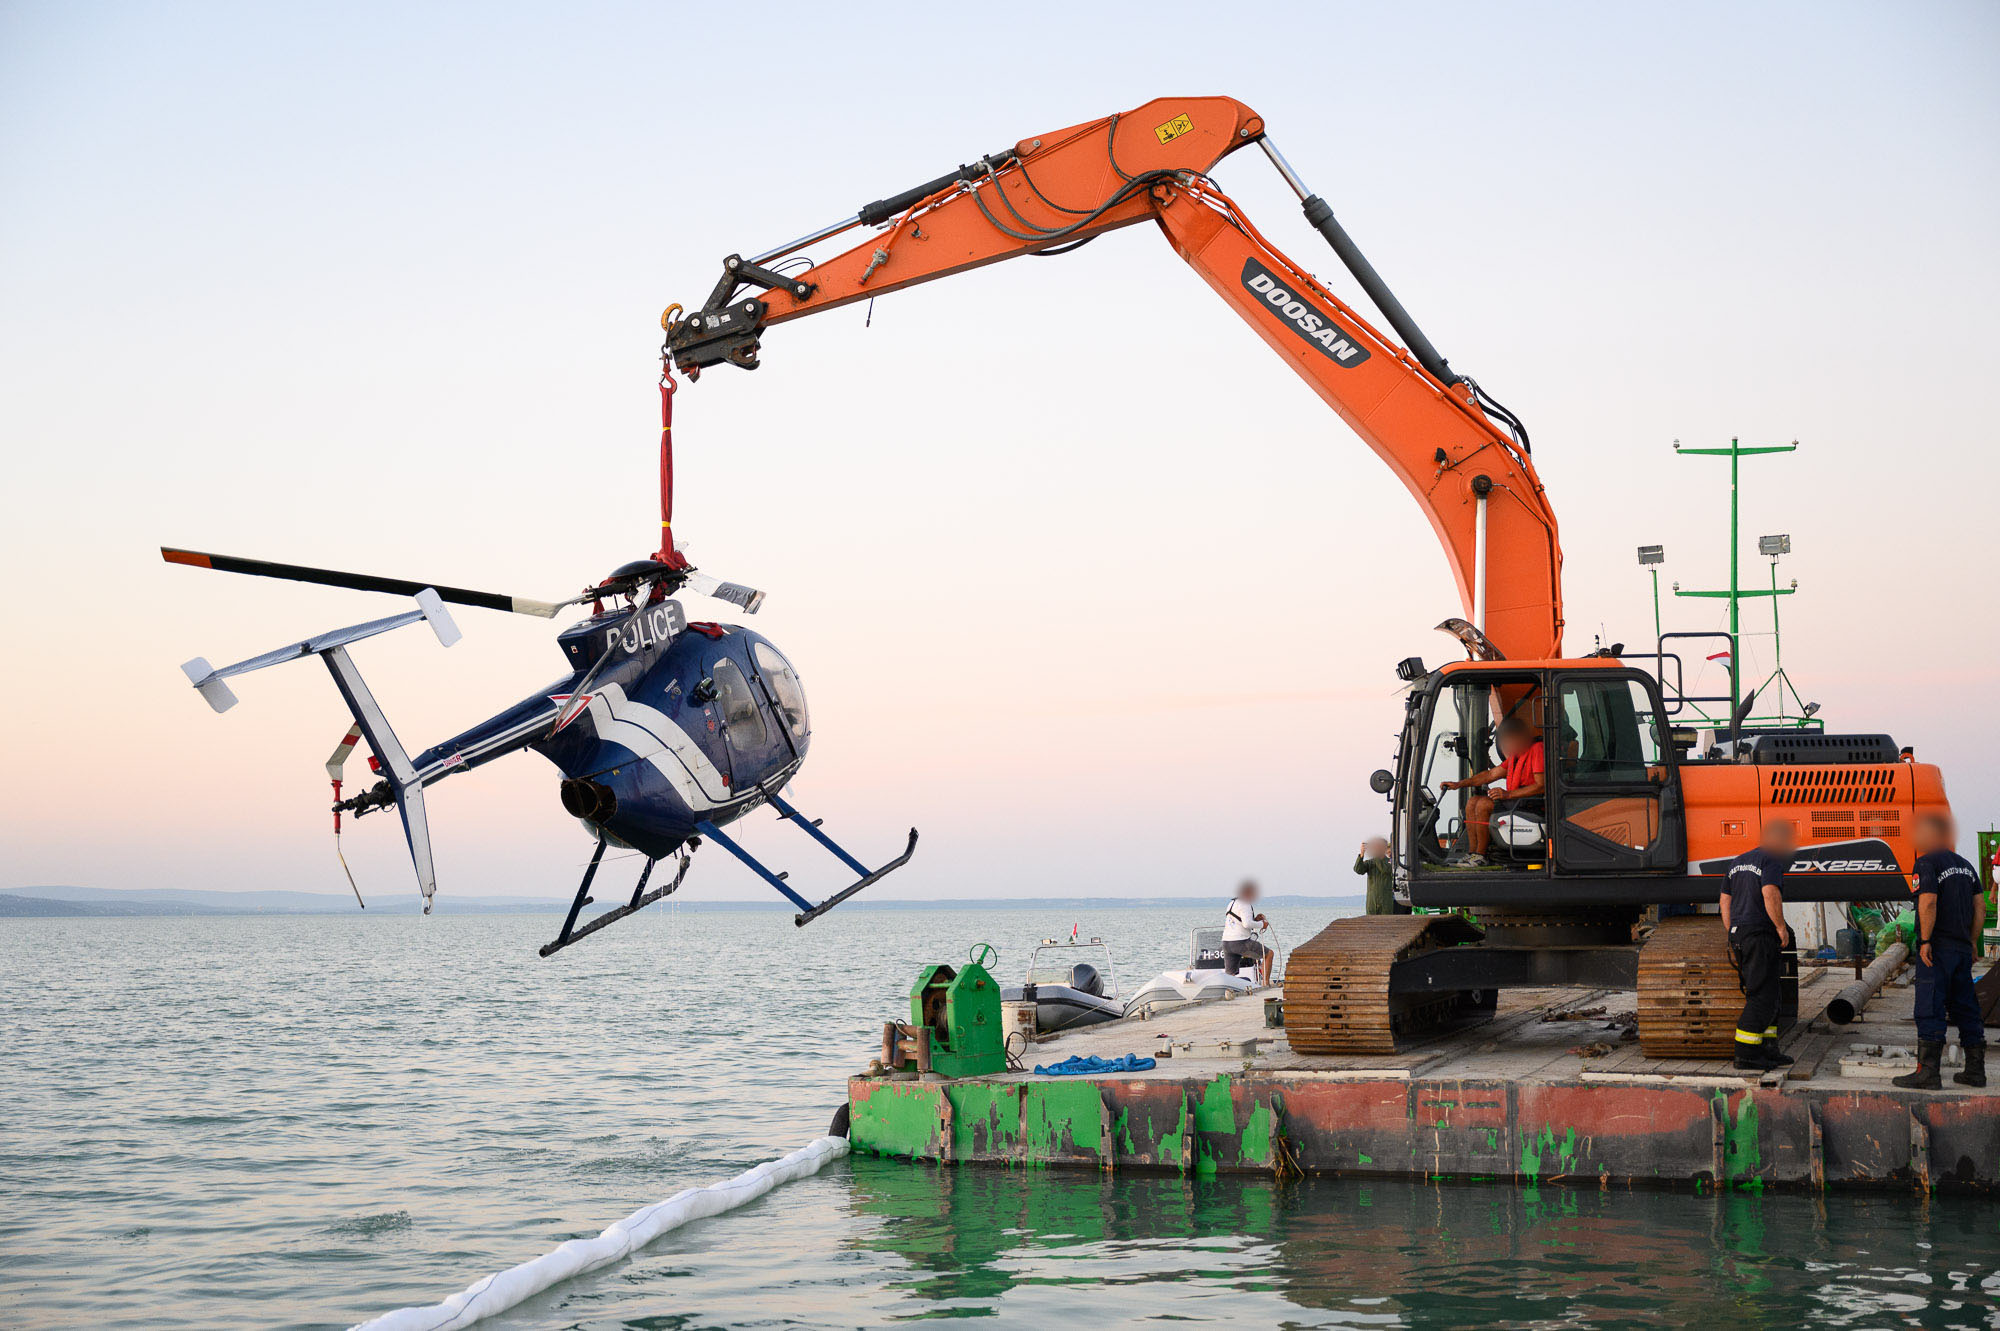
pixel 304 1122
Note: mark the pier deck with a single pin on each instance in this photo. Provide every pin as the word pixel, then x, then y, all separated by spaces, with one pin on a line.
pixel 1524 1097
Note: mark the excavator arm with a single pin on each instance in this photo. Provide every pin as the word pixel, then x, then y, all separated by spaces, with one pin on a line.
pixel 1441 435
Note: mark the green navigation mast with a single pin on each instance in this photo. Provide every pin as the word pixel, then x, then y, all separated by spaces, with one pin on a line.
pixel 1778 685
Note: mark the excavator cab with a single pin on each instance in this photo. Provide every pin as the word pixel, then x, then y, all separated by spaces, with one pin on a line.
pixel 1610 811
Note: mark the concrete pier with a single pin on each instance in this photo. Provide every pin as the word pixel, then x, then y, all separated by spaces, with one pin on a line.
pixel 1537 1095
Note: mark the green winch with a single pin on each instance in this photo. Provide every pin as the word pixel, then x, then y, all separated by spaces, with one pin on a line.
pixel 958 1009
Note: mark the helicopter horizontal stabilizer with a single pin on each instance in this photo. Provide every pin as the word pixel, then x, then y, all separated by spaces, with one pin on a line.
pixel 209 680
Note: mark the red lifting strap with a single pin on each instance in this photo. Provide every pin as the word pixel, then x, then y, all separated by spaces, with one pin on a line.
pixel 667 553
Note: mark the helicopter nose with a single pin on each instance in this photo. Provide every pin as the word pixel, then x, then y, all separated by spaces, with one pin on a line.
pixel 586 799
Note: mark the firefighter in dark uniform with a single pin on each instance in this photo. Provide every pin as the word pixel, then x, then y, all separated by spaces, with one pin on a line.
pixel 1753 915
pixel 1951 911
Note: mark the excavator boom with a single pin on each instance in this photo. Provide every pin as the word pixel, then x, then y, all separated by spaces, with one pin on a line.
pixel 1473 479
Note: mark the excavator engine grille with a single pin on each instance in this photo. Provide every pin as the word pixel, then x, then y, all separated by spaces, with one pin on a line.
pixel 1833 785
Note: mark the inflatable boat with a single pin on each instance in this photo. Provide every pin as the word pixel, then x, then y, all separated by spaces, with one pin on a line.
pixel 1202 979
pixel 1071 983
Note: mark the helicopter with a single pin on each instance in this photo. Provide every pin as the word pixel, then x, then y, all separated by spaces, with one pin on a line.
pixel 665 730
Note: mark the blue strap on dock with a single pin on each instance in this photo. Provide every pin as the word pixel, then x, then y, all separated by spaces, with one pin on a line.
pixel 1079 1066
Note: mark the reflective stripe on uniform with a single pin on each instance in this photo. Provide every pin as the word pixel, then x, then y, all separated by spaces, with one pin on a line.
pixel 1748 1037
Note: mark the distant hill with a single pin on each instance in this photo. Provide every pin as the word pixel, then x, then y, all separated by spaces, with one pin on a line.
pixel 62 900
pixel 13 905
pixel 22 906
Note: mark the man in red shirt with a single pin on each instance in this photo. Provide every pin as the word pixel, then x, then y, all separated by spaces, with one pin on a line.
pixel 1524 771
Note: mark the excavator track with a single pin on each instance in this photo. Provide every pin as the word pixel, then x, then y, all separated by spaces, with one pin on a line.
pixel 1689 996
pixel 1337 984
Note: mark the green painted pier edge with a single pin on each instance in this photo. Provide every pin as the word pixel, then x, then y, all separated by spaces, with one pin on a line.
pixel 1494 1130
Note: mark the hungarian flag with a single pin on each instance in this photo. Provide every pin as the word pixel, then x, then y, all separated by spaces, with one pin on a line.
pixel 1720 656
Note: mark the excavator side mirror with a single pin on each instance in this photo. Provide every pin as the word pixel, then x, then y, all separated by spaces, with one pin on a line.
pixel 1382 781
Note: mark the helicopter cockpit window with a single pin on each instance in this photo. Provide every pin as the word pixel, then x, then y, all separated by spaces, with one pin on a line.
pixel 785 686
pixel 740 715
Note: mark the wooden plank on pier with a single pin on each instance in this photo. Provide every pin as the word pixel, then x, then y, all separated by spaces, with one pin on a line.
pixel 1629 1059
pixel 1808 1052
pixel 1714 1077
pixel 1323 1069
pixel 1634 1068
pixel 1375 1065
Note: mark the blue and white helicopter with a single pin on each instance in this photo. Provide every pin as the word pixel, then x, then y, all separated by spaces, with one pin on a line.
pixel 665 731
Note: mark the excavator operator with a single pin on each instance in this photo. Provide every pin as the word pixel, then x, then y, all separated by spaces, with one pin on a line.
pixel 1523 768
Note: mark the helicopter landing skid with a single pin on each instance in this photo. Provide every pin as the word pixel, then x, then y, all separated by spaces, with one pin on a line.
pixel 807 911
pixel 641 898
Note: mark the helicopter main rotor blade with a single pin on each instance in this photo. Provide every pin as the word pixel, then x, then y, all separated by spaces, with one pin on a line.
pixel 748 598
pixel 363 582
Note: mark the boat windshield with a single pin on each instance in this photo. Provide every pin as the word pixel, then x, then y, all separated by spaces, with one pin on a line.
pixel 1206 945
pixel 1054 963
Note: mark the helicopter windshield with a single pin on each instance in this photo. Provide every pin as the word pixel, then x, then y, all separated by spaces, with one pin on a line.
pixel 740 715
pixel 791 695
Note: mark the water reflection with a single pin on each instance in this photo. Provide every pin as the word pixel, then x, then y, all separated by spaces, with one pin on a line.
pixel 1016 1243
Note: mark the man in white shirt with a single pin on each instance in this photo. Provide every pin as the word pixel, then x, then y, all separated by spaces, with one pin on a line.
pixel 1239 942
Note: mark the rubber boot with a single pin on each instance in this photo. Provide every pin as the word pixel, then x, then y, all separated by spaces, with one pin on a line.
pixel 1750 1057
pixel 1770 1047
pixel 1975 1066
pixel 1930 1053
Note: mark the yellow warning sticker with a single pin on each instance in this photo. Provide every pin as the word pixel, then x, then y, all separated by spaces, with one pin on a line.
pixel 1174 128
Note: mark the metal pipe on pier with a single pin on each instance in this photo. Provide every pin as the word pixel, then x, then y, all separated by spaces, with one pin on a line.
pixel 1848 1003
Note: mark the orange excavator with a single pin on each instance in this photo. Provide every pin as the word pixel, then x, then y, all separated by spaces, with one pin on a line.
pixel 1592 884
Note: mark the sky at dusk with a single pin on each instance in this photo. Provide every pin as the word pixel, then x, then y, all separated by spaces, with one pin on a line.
pixel 1081 579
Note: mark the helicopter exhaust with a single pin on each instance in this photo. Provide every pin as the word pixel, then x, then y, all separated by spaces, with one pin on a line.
pixel 586 799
